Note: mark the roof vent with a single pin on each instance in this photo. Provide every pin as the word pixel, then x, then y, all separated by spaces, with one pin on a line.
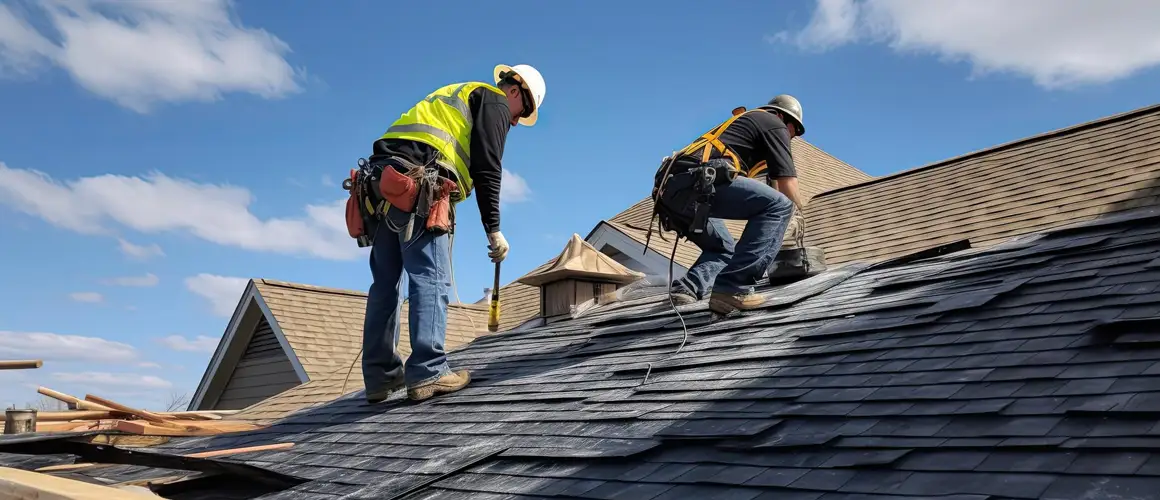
pixel 579 275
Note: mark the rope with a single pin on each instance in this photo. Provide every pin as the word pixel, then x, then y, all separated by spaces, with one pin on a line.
pixel 673 303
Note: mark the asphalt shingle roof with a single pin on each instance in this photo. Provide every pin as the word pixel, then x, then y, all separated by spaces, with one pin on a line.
pixel 1027 370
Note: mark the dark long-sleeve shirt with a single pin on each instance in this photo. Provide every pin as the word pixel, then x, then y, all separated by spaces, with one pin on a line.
pixel 490 125
pixel 761 137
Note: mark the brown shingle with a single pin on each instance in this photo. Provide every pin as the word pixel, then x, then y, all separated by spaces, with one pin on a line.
pixel 1068 175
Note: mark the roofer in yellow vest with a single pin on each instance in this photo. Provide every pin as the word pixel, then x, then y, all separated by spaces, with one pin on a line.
pixel 714 179
pixel 457 133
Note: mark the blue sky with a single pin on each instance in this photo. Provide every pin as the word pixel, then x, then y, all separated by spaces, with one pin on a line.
pixel 155 155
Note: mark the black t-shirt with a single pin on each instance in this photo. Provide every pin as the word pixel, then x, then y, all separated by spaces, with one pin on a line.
pixel 759 136
pixel 490 125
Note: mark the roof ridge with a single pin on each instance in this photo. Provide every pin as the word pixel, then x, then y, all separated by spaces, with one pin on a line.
pixel 310 288
pixel 1001 147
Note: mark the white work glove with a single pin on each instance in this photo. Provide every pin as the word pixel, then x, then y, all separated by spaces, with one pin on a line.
pixel 497 246
pixel 796 230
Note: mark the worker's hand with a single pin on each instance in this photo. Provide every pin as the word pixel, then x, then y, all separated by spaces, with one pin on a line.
pixel 498 247
pixel 795 233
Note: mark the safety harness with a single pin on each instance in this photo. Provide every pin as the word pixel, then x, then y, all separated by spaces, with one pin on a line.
pixel 706 176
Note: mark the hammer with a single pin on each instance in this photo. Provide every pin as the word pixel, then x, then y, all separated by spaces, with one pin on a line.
pixel 493 310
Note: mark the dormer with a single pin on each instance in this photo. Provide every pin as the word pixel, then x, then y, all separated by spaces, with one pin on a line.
pixel 580 277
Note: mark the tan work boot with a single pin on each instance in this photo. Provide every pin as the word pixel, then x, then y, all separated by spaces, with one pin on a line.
pixel 725 303
pixel 449 383
pixel 383 393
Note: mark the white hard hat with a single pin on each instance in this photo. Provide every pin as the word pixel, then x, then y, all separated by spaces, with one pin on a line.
pixel 533 82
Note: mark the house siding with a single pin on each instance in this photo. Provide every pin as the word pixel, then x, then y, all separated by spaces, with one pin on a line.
pixel 263 371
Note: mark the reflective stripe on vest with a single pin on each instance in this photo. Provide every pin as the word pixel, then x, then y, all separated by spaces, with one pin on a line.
pixel 443 121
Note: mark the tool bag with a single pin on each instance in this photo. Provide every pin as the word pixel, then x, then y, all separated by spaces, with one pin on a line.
pixel 800 261
pixel 698 170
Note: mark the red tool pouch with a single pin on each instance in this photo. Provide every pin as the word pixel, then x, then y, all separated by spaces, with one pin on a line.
pixel 399 189
pixel 354 220
pixel 439 218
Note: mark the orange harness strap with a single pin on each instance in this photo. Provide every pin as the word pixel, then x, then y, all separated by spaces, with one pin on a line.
pixel 711 141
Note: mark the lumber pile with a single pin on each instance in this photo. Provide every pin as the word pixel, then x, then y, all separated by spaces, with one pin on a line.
pixel 97 413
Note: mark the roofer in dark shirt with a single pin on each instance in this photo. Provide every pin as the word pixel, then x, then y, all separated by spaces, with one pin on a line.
pixel 749 143
pixel 459 129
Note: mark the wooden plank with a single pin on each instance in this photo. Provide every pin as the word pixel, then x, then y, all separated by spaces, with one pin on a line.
pixel 207 428
pixel 22 364
pixel 79 404
pixel 19 484
pixel 144 415
pixel 128 440
pixel 69 467
pixel 234 451
pixel 75 426
pixel 65 416
pixel 190 415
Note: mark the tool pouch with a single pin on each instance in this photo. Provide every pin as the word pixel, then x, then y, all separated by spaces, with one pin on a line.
pixel 440 216
pixel 360 220
pixel 794 264
pixel 354 218
pixel 398 188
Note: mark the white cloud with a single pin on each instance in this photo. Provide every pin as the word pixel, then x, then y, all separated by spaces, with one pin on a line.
pixel 149 279
pixel 223 292
pixel 140 251
pixel 1056 43
pixel 90 297
pixel 55 347
pixel 140 53
pixel 148 364
pixel 513 188
pixel 200 344
pixel 155 203
pixel 109 380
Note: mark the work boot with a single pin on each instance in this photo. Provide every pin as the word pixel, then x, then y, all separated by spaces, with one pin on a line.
pixel 381 394
pixel 449 383
pixel 725 303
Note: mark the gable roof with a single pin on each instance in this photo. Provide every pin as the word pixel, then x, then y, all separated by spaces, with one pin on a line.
pixel 320 330
pixel 1025 370
pixel 1075 173
pixel 817 172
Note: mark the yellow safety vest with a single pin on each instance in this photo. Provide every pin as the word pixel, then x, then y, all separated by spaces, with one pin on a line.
pixel 443 121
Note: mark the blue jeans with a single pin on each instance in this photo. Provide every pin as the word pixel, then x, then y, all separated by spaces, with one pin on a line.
pixel 724 266
pixel 425 258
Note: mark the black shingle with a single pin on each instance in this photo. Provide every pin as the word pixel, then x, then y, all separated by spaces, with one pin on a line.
pixel 1046 461
pixel 994 375
pixel 1085 487
pixel 776 477
pixel 1120 463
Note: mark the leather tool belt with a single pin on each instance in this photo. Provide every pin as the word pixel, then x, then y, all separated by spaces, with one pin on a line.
pixel 396 192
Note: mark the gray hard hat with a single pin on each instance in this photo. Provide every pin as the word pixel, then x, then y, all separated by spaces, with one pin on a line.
pixel 790 106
